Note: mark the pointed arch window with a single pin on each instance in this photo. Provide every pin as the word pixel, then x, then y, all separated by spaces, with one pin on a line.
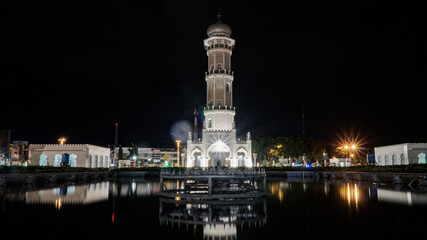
pixel 219 103
pixel 227 87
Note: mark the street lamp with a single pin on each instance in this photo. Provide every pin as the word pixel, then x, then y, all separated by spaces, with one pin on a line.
pixel 177 149
pixel 349 150
pixel 61 140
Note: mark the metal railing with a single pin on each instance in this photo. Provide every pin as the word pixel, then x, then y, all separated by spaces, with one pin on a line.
pixel 212 171
pixel 225 71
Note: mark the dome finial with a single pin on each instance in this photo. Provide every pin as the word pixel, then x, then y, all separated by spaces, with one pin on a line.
pixel 219 16
pixel 219 28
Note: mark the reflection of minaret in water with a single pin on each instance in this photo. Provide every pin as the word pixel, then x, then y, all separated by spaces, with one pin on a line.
pixel 219 219
pixel 196 135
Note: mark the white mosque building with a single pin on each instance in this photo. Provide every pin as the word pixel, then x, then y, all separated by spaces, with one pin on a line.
pixel 219 145
pixel 73 155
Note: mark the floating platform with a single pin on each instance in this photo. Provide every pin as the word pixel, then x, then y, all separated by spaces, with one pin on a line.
pixel 212 183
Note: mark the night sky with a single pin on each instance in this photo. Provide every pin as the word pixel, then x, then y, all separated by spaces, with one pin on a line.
pixel 75 68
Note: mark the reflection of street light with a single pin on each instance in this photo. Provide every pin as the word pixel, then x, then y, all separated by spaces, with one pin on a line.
pixel 177 149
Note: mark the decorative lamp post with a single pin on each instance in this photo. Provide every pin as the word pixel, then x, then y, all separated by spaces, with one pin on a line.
pixel 61 140
pixel 177 149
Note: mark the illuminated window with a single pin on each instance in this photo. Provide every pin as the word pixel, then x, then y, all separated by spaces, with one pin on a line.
pixel 43 160
pixel 57 160
pixel 394 159
pixel 73 160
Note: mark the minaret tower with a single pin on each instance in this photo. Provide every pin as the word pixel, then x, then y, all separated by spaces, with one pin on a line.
pixel 219 114
pixel 219 145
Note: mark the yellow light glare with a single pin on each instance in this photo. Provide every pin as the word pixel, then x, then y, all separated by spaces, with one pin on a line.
pixel 61 140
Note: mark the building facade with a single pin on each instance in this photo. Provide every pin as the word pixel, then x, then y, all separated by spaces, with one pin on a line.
pixel 5 147
pixel 19 153
pixel 73 155
pixel 150 157
pixel 219 145
pixel 401 154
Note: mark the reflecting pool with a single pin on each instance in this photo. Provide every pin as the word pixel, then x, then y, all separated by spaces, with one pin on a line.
pixel 292 210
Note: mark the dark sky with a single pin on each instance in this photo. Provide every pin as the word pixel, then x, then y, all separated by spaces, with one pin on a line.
pixel 74 68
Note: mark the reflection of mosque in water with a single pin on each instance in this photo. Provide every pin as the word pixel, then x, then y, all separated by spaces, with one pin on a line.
pixel 219 219
pixel 84 194
pixel 354 193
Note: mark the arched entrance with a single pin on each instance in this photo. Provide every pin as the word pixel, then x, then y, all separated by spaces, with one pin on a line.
pixel 219 154
pixel 241 159
pixel 241 154
pixel 197 155
pixel 65 159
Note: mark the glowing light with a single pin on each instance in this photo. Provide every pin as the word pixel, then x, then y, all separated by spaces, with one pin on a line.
pixel 356 196
pixel 61 140
pixel 177 198
pixel 351 141
pixel 220 146
pixel 177 149
pixel 348 194
pixel 58 204
pixel 351 194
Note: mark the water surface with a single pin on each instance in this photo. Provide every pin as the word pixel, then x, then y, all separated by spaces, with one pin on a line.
pixel 292 210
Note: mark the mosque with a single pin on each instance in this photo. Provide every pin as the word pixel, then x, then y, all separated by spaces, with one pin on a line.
pixel 218 145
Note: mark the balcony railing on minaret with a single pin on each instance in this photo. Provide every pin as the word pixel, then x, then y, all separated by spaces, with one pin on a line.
pixel 219 71
pixel 219 45
pixel 219 107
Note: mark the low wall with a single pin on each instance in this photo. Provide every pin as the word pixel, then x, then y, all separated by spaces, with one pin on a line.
pixel 404 178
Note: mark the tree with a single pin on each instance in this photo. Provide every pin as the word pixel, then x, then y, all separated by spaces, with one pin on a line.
pixel 120 152
pixel 133 150
pixel 270 149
